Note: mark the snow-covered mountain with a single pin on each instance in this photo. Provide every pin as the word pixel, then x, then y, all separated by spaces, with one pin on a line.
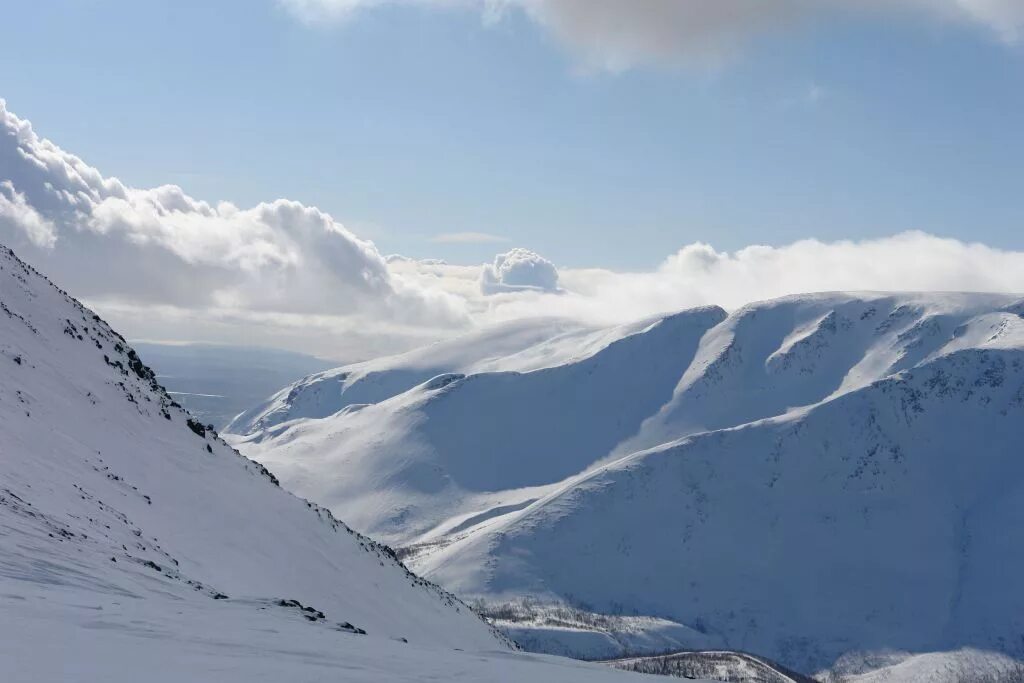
pixel 501 347
pixel 461 448
pixel 136 544
pixel 801 478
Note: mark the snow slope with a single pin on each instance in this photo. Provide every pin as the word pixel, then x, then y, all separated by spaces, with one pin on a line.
pixel 884 517
pixel 800 478
pixel 52 634
pixel 103 480
pixel 798 351
pixel 459 450
pixel 960 666
pixel 136 544
pixel 506 346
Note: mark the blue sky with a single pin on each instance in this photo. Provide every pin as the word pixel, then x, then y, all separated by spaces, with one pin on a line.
pixel 408 122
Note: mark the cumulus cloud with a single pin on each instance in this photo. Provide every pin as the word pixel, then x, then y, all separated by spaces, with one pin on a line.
pixel 106 240
pixel 519 270
pixel 17 214
pixel 618 34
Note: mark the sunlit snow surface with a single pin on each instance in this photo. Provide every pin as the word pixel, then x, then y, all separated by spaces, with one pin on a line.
pixel 136 545
pixel 51 634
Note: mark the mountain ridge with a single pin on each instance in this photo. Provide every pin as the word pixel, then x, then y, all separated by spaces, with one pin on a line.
pixel 856 371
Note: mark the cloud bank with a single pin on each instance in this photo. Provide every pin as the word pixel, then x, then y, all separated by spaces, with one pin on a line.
pixel 619 34
pixel 163 265
pixel 107 241
pixel 698 274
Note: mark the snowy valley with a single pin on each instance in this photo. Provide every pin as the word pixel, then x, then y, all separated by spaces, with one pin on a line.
pixel 801 478
pixel 512 341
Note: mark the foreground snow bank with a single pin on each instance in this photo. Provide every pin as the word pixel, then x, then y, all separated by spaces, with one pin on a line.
pixel 136 545
pixel 60 634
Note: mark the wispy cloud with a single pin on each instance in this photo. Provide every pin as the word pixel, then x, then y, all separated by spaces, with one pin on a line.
pixel 468 238
pixel 620 34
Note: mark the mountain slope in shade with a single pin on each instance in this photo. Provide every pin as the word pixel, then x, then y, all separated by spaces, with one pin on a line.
pixel 885 517
pixel 516 345
pixel 461 449
pixel 800 478
pixel 135 543
pixel 487 438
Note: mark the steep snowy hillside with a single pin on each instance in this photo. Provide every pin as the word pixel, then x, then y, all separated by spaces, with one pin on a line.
pixel 884 517
pixel 135 543
pixel 216 382
pixel 459 450
pixel 107 483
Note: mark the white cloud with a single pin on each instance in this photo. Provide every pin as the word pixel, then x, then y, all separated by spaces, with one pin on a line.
pixel 698 275
pixel 619 34
pixel 16 213
pixel 161 264
pixel 519 270
pixel 107 240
